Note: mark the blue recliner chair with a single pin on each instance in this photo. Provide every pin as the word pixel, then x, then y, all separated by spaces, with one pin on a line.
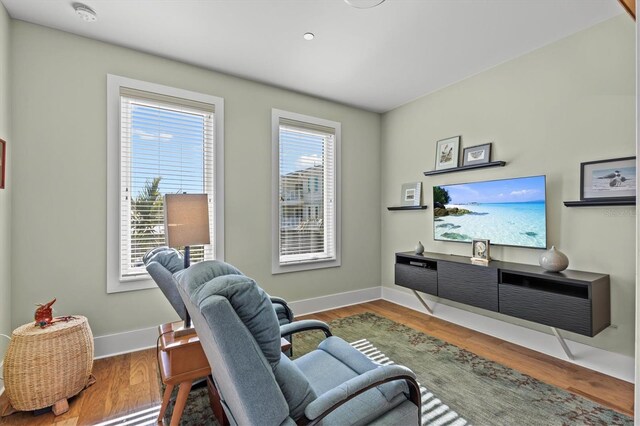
pixel 258 385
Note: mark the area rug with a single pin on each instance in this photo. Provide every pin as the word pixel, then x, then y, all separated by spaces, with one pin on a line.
pixel 459 384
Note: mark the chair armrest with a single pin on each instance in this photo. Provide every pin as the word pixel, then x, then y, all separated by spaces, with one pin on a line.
pixel 305 325
pixel 334 398
pixel 281 301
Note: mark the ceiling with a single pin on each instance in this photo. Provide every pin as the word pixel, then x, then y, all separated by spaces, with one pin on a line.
pixel 376 59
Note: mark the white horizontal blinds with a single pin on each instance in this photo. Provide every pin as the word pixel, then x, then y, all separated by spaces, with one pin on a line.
pixel 307 214
pixel 167 147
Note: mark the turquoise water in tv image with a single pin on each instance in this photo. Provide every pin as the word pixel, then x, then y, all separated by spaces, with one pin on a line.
pixel 506 212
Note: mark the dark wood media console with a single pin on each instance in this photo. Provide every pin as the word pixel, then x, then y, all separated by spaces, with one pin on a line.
pixel 569 300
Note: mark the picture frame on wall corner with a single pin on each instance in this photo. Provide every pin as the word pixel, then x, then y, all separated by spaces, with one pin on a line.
pixel 613 179
pixel 3 162
pixel 479 154
pixel 447 153
pixel 411 194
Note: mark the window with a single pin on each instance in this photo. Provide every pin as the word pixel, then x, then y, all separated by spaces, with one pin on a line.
pixel 161 141
pixel 306 155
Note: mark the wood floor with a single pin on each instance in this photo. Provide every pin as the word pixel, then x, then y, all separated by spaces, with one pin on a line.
pixel 128 383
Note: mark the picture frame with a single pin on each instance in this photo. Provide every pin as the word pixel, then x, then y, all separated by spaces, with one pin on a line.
pixel 479 154
pixel 411 194
pixel 613 179
pixel 3 162
pixel 480 250
pixel 447 153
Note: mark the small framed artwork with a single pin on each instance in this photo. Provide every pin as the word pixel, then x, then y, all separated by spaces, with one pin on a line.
pixel 3 162
pixel 411 194
pixel 447 152
pixel 480 251
pixel 613 179
pixel 478 154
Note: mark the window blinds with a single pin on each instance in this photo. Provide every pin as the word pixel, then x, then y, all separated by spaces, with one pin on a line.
pixel 307 213
pixel 167 147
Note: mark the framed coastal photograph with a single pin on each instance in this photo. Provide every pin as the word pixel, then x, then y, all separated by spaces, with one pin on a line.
pixel 3 162
pixel 478 154
pixel 613 179
pixel 411 194
pixel 447 151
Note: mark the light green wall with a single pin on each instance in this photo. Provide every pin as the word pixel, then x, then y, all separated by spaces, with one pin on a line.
pixel 59 228
pixel 545 112
pixel 5 194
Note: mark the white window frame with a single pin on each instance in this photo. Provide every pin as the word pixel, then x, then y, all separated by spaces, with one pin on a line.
pixel 276 266
pixel 115 284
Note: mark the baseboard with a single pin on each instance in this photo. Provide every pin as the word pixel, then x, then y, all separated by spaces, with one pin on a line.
pixel 334 301
pixel 609 363
pixel 136 340
pixel 125 342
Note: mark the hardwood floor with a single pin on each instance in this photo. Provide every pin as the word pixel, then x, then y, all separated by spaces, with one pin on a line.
pixel 128 383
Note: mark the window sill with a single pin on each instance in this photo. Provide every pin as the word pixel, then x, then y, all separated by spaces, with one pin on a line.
pixel 130 284
pixel 304 266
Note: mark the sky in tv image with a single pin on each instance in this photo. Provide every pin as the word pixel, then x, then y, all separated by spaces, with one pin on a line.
pixel 507 212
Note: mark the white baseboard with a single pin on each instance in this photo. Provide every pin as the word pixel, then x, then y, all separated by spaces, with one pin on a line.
pixel 609 363
pixel 606 362
pixel 136 340
pixel 334 301
pixel 125 342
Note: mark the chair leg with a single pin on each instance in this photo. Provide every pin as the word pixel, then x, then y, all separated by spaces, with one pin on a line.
pixel 165 402
pixel 181 400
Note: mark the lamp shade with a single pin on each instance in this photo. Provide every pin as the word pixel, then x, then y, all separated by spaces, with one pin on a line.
pixel 186 219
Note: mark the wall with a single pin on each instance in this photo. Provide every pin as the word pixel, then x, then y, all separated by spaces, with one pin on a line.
pixel 5 194
pixel 59 231
pixel 545 112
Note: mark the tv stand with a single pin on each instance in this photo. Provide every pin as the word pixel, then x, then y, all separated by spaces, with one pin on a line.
pixel 575 301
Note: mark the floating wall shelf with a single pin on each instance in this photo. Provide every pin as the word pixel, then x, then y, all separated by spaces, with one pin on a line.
pixel 601 203
pixel 407 208
pixel 463 168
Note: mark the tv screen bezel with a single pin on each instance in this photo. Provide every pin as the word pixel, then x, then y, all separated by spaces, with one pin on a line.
pixel 546 226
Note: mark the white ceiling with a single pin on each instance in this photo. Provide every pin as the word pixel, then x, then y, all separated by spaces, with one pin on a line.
pixel 376 59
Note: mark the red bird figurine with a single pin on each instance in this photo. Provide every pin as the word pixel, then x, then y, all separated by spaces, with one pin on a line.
pixel 44 315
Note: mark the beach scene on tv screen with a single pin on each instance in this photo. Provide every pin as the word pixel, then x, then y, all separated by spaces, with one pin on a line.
pixel 506 212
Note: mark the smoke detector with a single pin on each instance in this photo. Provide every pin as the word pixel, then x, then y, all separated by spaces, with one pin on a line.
pixel 85 12
pixel 363 4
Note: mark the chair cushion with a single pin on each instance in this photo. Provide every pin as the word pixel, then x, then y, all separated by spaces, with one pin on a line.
pixel 251 303
pixel 294 386
pixel 344 362
pixel 170 258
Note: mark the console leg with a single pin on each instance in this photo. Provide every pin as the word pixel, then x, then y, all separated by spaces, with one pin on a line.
pixel 563 343
pixel 424 302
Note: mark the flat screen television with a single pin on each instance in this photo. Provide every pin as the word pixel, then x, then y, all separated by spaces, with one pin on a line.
pixel 509 212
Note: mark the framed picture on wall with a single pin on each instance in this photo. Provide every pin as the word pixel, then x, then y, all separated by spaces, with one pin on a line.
pixel 613 179
pixel 3 162
pixel 411 194
pixel 478 154
pixel 447 151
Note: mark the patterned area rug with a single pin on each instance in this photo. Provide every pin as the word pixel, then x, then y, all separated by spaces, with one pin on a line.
pixel 473 388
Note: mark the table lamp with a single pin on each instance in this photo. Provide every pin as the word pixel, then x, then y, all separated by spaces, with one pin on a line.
pixel 186 223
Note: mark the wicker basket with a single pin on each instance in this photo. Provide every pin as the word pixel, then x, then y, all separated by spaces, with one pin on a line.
pixel 45 365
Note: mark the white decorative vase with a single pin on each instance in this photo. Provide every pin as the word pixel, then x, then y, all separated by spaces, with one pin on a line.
pixel 554 260
pixel 419 248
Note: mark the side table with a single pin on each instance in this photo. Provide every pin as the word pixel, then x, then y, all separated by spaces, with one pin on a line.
pixel 45 366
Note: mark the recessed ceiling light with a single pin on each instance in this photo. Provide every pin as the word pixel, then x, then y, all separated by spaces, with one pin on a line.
pixel 85 12
pixel 308 36
pixel 363 4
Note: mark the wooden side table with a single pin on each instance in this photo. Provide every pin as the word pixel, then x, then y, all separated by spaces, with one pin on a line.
pixel 181 360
